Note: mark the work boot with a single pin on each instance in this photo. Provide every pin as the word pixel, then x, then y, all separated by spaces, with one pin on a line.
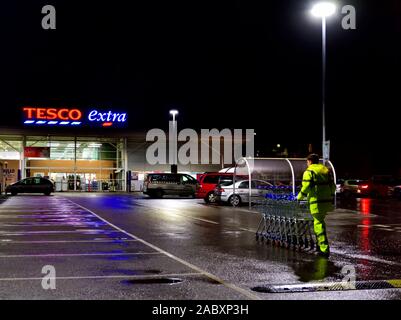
pixel 321 253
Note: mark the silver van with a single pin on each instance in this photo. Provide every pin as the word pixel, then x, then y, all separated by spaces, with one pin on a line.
pixel 157 185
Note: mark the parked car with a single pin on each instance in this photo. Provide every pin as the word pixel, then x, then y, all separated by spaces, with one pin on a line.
pixel 352 187
pixel 157 185
pixel 377 186
pixel 209 181
pixel 225 192
pixel 31 185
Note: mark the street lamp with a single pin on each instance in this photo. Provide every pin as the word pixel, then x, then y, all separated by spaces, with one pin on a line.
pixel 324 10
pixel 174 164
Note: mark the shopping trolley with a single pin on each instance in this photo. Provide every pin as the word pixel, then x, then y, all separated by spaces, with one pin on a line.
pixel 285 221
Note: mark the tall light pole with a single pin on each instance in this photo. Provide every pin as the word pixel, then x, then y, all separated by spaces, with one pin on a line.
pixel 324 10
pixel 174 141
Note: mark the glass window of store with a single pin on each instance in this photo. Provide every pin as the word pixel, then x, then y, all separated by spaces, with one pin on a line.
pixel 79 163
pixel 10 159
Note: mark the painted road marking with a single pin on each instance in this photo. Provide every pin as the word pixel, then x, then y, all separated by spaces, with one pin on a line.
pixel 181 215
pixel 244 229
pixel 107 240
pixel 364 257
pixel 330 286
pixel 194 218
pixel 56 255
pixel 30 233
pixel 244 292
pixel 106 277
pixel 375 225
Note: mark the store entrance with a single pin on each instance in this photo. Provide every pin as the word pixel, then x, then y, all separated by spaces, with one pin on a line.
pixel 73 163
pixel 84 181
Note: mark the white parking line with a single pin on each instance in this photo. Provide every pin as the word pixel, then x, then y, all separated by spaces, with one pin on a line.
pixel 364 257
pixel 30 233
pixel 138 277
pixel 9 241
pixel 182 215
pixel 194 218
pixel 244 292
pixel 56 255
pixel 244 229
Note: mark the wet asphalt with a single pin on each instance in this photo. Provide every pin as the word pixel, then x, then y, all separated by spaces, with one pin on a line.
pixel 127 246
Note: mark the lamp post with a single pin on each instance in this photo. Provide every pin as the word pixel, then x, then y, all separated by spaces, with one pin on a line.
pixel 174 167
pixel 324 10
pixel 1 178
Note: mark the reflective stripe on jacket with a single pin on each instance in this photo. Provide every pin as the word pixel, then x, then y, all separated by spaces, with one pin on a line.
pixel 319 188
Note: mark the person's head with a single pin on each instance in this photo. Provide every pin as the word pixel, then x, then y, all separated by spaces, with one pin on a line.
pixel 312 159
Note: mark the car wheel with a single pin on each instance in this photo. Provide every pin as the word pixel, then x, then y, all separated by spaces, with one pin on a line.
pixel 47 193
pixel 14 193
pixel 210 198
pixel 235 200
pixel 159 194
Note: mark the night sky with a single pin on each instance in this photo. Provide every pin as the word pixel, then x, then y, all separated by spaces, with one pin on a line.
pixel 224 64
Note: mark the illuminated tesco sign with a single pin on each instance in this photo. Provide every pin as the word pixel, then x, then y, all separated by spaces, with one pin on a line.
pixel 107 118
pixel 71 117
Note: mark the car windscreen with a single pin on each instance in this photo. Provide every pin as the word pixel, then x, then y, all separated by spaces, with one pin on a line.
pixel 164 178
pixel 224 182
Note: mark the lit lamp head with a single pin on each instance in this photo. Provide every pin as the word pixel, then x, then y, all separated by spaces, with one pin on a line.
pixel 323 9
pixel 173 112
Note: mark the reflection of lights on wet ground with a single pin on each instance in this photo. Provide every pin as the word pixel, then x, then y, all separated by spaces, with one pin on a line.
pixel 173 203
pixel 365 207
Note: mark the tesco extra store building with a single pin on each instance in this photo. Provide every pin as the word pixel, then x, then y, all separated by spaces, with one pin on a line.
pixel 79 149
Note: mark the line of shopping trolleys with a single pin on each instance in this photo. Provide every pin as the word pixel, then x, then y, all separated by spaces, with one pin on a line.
pixel 285 221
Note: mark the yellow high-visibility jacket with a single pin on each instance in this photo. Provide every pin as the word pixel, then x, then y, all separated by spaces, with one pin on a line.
pixel 319 188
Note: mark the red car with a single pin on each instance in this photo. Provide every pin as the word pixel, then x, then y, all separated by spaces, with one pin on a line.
pixel 208 182
pixel 376 187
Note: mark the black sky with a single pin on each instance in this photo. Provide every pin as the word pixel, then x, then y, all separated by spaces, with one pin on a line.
pixel 235 64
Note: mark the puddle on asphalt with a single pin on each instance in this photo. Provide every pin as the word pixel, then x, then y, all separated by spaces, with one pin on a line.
pixel 317 269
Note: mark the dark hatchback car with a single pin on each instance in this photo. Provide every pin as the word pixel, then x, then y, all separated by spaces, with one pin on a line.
pixel 31 185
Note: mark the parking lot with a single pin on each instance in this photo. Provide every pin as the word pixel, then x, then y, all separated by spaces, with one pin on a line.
pixel 121 246
pixel 88 253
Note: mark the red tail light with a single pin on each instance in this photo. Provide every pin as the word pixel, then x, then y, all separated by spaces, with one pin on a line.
pixel 364 186
pixel 220 190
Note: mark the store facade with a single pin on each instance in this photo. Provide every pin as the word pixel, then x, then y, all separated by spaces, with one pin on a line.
pixel 73 163
pixel 83 150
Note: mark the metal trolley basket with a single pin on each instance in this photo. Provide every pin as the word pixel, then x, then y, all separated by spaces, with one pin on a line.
pixel 285 221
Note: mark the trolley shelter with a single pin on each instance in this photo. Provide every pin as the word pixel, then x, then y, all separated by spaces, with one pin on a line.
pixel 271 186
pixel 263 175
